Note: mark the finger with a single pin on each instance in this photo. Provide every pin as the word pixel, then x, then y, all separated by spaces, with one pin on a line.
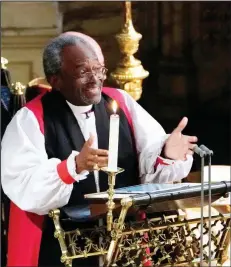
pixel 100 152
pixel 90 141
pixel 98 159
pixel 92 158
pixel 101 165
pixel 90 165
pixel 191 146
pixel 92 151
pixel 103 161
pixel 191 139
pixel 181 125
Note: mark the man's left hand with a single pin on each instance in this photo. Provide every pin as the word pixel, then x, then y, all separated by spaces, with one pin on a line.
pixel 178 145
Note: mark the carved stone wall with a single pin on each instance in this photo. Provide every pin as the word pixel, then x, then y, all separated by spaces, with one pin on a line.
pixel 189 53
pixel 188 58
pixel 185 47
pixel 100 20
pixel 26 28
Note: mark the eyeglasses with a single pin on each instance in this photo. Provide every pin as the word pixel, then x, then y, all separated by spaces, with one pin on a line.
pixel 98 72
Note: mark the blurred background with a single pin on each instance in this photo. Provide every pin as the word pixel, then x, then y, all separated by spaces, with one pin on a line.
pixel 185 46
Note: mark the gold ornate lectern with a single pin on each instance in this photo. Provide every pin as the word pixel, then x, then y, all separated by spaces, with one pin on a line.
pixel 171 237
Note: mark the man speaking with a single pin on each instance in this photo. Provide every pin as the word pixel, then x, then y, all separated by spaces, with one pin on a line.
pixel 52 146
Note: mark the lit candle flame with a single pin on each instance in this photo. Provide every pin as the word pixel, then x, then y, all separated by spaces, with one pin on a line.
pixel 114 106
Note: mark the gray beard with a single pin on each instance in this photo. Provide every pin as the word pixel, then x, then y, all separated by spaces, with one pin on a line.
pixel 90 101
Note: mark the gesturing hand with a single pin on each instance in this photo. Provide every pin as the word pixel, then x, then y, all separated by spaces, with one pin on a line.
pixel 178 145
pixel 89 157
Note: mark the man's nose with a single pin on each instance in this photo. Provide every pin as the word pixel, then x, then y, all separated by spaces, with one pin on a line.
pixel 92 77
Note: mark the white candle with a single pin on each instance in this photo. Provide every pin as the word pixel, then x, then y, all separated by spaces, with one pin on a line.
pixel 113 139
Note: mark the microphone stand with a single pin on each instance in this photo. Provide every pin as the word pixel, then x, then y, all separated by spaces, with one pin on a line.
pixel 209 153
pixel 202 207
pixel 202 154
pixel 210 212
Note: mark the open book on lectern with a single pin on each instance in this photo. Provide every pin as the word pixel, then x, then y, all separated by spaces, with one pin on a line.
pixel 176 196
pixel 155 197
pixel 138 189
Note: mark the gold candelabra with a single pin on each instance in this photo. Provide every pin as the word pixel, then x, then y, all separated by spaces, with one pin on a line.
pixel 18 97
pixel 129 73
pixel 18 88
pixel 111 191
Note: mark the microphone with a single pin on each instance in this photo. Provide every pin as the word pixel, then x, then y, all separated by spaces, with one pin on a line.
pixel 209 153
pixel 206 150
pixel 199 151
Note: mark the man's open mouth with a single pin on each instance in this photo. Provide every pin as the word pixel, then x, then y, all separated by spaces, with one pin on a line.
pixel 91 89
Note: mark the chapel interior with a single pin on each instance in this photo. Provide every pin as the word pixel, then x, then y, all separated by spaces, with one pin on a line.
pixel 185 47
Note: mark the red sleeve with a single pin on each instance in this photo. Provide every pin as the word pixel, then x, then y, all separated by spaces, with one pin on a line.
pixel 64 174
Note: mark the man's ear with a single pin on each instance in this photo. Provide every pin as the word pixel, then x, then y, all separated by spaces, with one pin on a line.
pixel 55 82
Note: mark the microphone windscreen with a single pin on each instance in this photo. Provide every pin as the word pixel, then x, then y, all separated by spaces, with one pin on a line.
pixel 199 151
pixel 207 150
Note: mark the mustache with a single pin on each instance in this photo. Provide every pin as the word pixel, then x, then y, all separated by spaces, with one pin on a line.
pixel 92 84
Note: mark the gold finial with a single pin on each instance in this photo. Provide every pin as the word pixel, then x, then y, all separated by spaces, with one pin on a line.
pixel 130 73
pixel 18 88
pixel 4 62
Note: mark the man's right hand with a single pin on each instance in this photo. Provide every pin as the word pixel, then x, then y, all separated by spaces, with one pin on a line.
pixel 89 157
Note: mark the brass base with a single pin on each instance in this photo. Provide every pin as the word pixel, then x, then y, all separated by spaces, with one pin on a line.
pixel 106 170
pixel 111 191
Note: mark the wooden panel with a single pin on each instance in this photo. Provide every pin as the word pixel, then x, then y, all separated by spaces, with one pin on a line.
pixel 29 15
pixel 24 65
pixel 21 71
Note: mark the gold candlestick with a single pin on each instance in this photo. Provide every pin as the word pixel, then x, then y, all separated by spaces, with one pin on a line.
pixel 18 97
pixel 18 88
pixel 130 73
pixel 111 191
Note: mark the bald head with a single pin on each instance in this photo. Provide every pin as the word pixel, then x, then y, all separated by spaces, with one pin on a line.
pixel 90 41
pixel 73 64
pixel 52 52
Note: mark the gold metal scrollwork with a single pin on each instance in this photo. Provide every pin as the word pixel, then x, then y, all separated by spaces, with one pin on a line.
pixel 171 240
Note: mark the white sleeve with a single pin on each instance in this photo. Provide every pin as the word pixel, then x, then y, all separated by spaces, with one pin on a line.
pixel 150 138
pixel 29 178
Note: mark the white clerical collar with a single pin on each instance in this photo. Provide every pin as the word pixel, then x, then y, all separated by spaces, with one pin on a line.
pixel 79 109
